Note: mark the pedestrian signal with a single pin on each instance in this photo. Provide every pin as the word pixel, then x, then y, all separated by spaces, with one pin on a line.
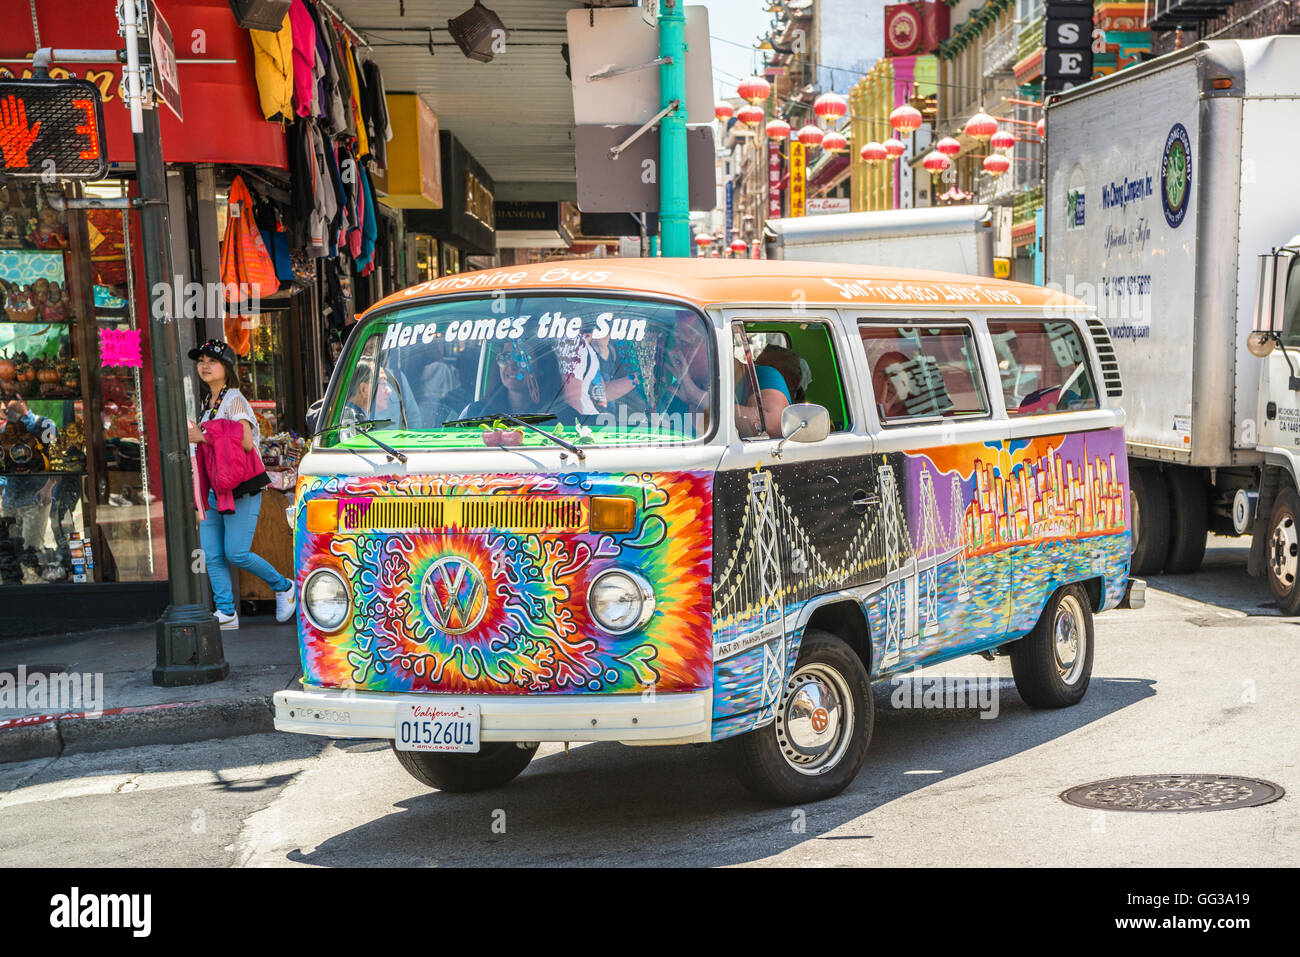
pixel 52 130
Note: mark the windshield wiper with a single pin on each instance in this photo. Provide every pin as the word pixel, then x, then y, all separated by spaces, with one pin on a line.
pixel 363 427
pixel 526 420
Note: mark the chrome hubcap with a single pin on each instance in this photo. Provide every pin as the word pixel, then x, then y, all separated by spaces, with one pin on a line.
pixel 815 720
pixel 1284 551
pixel 1069 639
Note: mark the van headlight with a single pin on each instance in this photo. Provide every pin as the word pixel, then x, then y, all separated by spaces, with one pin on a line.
pixel 620 601
pixel 325 599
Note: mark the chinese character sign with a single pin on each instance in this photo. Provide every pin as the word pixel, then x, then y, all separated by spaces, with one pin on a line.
pixel 798 177
pixel 120 347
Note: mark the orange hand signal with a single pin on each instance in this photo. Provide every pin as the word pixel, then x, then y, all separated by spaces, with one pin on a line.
pixel 15 137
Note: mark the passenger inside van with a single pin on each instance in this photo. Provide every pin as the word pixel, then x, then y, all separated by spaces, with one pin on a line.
pixel 755 416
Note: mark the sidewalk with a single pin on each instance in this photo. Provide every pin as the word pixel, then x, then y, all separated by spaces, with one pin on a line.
pixel 263 657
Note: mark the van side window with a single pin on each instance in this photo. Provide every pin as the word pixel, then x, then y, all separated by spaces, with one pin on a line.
pixel 791 362
pixel 1044 367
pixel 922 372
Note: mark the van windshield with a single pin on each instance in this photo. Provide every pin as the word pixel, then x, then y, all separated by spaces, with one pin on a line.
pixel 590 370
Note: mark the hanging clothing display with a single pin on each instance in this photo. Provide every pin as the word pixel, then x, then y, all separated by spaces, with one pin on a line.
pixel 304 57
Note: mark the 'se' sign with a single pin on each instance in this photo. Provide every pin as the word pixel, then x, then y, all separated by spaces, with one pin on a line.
pixel 51 130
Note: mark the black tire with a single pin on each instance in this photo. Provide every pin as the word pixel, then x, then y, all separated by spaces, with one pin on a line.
pixel 1282 551
pixel 768 759
pixel 498 763
pixel 1189 523
pixel 1044 677
pixel 1148 519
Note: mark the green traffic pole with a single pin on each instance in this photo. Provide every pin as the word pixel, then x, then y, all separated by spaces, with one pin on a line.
pixel 674 202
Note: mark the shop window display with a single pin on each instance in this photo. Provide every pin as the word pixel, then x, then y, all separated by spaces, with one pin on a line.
pixel 75 493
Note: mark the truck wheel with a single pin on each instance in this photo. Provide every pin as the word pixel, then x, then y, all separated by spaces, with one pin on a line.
pixel 498 763
pixel 1148 498
pixel 822 730
pixel 1189 524
pixel 1283 551
pixel 1052 664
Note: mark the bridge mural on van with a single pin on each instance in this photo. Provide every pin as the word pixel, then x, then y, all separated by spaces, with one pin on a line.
pixel 958 548
pixel 495 602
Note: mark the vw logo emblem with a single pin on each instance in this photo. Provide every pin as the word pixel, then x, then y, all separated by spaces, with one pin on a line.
pixel 454 594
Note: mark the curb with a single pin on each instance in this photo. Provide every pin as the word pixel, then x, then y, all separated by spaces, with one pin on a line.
pixel 182 722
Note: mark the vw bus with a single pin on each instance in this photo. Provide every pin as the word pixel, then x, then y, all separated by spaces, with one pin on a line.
pixel 677 501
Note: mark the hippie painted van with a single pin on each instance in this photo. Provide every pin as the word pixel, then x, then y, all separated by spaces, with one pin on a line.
pixel 678 501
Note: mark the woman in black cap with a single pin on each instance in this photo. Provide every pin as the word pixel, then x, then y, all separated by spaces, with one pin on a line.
pixel 227 536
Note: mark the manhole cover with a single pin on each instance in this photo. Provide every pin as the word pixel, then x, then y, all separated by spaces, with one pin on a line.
pixel 1173 792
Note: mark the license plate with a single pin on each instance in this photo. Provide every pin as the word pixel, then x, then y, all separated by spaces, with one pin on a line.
pixel 448 726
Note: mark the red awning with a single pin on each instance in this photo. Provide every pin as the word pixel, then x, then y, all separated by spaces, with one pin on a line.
pixel 223 120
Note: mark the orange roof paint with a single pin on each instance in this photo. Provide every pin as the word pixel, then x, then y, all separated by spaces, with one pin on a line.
pixel 708 282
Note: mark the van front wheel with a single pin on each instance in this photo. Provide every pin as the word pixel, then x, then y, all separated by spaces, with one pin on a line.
pixel 1283 551
pixel 822 729
pixel 498 763
pixel 1052 664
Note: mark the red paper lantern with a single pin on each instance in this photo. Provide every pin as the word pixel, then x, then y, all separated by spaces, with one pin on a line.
pixel 778 130
pixel 949 147
pixel 738 246
pixel 906 119
pixel 834 142
pixel 981 126
pixel 1002 140
pixel 935 162
pixel 894 147
pixel 811 135
pixel 830 107
pixel 703 239
pixel 755 89
pixel 874 152
pixel 1042 127
pixel 750 115
pixel 995 164
pixel 722 110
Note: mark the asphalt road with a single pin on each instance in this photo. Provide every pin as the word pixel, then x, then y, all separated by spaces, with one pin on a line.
pixel 1201 680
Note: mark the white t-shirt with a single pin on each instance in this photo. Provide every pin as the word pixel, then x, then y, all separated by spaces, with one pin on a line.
pixel 236 408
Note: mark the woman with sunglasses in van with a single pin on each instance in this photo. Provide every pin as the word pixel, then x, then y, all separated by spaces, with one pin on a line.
pixel 231 476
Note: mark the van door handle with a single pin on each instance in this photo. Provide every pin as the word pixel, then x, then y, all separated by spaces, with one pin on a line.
pixel 864 500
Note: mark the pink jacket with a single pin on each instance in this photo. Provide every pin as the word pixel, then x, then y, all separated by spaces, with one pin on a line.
pixel 304 57
pixel 223 462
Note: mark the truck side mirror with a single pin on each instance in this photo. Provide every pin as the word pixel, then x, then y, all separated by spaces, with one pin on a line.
pixel 1270 291
pixel 313 416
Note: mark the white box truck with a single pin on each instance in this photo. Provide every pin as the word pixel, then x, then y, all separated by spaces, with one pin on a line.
pixel 1169 187
pixel 947 238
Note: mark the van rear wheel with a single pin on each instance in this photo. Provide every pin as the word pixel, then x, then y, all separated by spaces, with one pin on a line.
pixel 1052 664
pixel 1283 551
pixel 498 763
pixel 822 730
pixel 1148 519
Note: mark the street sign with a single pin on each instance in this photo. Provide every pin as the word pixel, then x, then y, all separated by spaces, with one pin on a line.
pixel 614 41
pixel 52 130
pixel 166 78
pixel 631 182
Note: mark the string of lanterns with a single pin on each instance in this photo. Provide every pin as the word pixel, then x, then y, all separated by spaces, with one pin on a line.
pixel 831 107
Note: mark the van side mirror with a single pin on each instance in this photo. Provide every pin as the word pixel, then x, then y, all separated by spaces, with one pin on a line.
pixel 313 416
pixel 804 422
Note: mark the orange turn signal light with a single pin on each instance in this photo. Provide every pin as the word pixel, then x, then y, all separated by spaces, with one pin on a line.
pixel 612 513
pixel 323 516
pixel 1222 82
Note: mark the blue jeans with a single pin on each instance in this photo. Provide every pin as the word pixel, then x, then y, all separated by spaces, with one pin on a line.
pixel 227 540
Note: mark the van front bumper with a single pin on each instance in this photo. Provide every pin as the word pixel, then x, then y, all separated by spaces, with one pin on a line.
pixel 677 718
pixel 1135 594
